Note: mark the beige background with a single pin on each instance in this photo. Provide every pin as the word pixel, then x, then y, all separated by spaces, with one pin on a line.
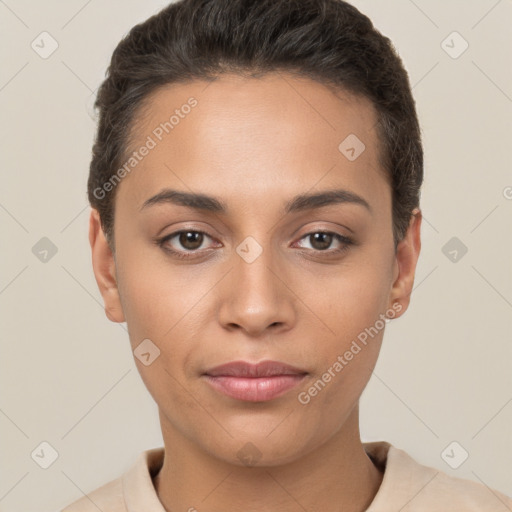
pixel 67 374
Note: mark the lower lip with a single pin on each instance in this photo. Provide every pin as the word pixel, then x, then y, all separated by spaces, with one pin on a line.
pixel 256 389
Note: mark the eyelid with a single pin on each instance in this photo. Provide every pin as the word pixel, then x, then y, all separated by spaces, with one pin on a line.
pixel 344 240
pixel 178 232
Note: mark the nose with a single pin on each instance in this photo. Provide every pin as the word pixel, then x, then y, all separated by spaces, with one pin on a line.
pixel 255 297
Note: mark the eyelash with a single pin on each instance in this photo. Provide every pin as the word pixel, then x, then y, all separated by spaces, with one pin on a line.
pixel 346 241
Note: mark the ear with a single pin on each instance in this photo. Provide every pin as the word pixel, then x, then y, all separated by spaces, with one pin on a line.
pixel 104 267
pixel 407 254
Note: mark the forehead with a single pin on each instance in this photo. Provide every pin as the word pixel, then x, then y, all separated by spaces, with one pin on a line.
pixel 275 133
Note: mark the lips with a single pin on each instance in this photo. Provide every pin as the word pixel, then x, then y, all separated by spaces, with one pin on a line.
pixel 254 382
pixel 263 369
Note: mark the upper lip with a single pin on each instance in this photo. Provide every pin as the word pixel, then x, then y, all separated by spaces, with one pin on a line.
pixel 261 369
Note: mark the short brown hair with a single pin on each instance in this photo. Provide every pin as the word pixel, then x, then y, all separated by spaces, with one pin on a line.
pixel 329 41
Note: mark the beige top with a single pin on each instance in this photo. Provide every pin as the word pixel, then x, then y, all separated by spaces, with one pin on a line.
pixel 407 487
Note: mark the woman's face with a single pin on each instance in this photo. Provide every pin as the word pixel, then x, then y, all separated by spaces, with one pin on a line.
pixel 255 280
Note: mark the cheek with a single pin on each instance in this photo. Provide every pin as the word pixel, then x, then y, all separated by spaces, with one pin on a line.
pixel 353 299
pixel 352 348
pixel 349 354
pixel 352 305
pixel 167 304
pixel 330 396
pixel 155 295
pixel 159 306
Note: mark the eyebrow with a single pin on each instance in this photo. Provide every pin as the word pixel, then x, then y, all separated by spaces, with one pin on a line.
pixel 298 203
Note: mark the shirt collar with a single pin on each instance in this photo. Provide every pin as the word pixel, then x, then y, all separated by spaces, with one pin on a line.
pixel 139 492
pixel 138 489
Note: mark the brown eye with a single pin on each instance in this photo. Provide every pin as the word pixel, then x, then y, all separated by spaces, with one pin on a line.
pixel 191 240
pixel 321 241
pixel 184 243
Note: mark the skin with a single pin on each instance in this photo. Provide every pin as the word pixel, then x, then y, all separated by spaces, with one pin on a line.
pixel 254 144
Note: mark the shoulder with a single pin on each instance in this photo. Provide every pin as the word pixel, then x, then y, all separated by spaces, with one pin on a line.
pixel 133 490
pixel 107 497
pixel 414 487
pixel 467 495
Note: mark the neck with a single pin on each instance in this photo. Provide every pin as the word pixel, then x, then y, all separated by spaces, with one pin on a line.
pixel 337 475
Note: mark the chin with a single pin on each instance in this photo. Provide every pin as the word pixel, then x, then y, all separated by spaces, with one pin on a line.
pixel 259 450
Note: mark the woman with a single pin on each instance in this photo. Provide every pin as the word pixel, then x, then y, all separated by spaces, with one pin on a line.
pixel 255 188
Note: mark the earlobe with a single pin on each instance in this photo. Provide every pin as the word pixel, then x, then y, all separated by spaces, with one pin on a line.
pixel 406 259
pixel 104 268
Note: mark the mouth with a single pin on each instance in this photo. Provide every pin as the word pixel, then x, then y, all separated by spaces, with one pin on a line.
pixel 254 382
